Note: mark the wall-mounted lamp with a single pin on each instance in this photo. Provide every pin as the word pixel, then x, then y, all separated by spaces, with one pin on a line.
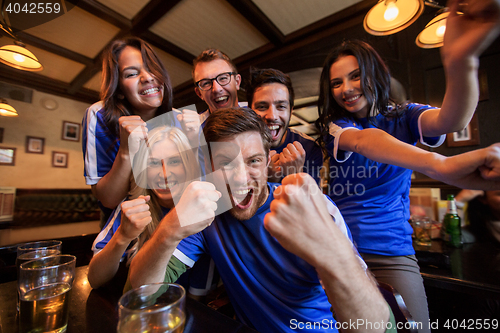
pixel 17 55
pixel 390 16
pixel 6 109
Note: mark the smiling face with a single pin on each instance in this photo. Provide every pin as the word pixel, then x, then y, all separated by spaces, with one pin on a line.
pixel 167 181
pixel 345 85
pixel 218 96
pixel 243 162
pixel 272 103
pixel 138 85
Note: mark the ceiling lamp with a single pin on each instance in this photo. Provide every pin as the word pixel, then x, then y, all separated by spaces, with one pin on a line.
pixel 17 55
pixel 390 16
pixel 433 33
pixel 6 109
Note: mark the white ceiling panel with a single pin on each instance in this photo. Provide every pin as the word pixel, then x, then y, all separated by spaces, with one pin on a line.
pixel 297 14
pixel 195 25
pixel 128 9
pixel 94 83
pixel 178 70
pixel 54 66
pixel 78 31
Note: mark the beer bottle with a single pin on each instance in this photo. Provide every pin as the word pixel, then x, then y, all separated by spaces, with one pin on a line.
pixel 452 232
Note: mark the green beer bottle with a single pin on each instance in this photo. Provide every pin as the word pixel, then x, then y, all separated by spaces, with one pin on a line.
pixel 452 232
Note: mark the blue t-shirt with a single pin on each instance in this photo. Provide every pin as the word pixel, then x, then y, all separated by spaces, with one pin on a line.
pixel 314 155
pixel 268 286
pixel 374 197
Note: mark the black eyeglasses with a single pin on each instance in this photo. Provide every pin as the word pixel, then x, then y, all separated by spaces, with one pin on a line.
pixel 222 79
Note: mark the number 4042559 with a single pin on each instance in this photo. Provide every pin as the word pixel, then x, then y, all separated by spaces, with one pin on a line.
pixel 471 324
pixel 33 8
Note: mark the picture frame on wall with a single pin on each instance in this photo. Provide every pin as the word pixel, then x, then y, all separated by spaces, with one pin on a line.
pixel 1 134
pixel 7 156
pixel 35 145
pixel 469 136
pixel 71 131
pixel 59 159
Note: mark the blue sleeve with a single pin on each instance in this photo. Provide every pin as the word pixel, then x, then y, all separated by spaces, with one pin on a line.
pixel 99 145
pixel 190 249
pixel 412 115
pixel 108 231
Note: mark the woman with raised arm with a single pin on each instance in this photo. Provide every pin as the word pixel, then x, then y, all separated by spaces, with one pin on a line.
pixel 370 141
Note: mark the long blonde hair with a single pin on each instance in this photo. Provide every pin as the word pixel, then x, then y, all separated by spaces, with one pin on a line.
pixel 140 187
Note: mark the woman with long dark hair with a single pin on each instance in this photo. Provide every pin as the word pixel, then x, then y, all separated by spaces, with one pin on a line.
pixel 135 88
pixel 371 142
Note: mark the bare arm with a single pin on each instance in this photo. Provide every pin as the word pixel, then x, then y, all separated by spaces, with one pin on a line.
pixel 104 265
pixel 467 36
pixel 113 187
pixel 194 212
pixel 478 169
pixel 301 223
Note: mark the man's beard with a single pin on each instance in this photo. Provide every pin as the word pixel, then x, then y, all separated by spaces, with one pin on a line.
pixel 243 215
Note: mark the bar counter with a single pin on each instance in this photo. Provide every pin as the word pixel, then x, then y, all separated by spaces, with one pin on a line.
pixel 95 311
pixel 473 269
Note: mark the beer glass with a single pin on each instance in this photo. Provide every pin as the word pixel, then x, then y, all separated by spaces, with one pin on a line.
pixel 44 287
pixel 35 250
pixel 153 308
pixel 422 226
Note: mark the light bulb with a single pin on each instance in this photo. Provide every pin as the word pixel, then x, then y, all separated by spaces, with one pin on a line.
pixel 19 57
pixel 391 12
pixel 441 29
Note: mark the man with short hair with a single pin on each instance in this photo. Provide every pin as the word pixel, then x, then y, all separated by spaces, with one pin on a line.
pixel 216 81
pixel 270 288
pixel 270 94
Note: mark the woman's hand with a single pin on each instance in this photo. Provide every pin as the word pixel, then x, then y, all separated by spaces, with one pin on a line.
pixel 468 35
pixel 133 130
pixel 135 217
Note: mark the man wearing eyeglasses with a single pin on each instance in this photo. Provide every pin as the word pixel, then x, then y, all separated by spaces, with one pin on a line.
pixel 216 81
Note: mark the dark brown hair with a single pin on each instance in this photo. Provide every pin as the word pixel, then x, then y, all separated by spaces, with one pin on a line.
pixel 114 104
pixel 210 55
pixel 226 123
pixel 375 82
pixel 260 77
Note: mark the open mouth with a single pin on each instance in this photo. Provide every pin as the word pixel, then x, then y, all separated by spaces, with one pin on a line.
pixel 165 187
pixel 275 130
pixel 220 101
pixel 150 91
pixel 242 199
pixel 352 99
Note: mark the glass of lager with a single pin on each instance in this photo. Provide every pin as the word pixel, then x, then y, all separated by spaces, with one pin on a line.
pixel 153 308
pixel 44 287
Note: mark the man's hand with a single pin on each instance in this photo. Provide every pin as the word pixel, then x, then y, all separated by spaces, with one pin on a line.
pixel 190 122
pixel 300 221
pixel 135 217
pixel 291 160
pixel 195 210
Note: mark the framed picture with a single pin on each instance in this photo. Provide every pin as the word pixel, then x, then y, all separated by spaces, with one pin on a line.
pixel 7 156
pixel 1 134
pixel 59 159
pixel 71 131
pixel 34 145
pixel 469 136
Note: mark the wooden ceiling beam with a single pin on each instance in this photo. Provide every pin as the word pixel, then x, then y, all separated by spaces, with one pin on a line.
pixel 249 10
pixel 53 48
pixel 168 47
pixel 105 13
pixel 45 84
pixel 150 14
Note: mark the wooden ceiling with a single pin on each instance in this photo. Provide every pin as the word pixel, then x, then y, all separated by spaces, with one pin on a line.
pixel 252 32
